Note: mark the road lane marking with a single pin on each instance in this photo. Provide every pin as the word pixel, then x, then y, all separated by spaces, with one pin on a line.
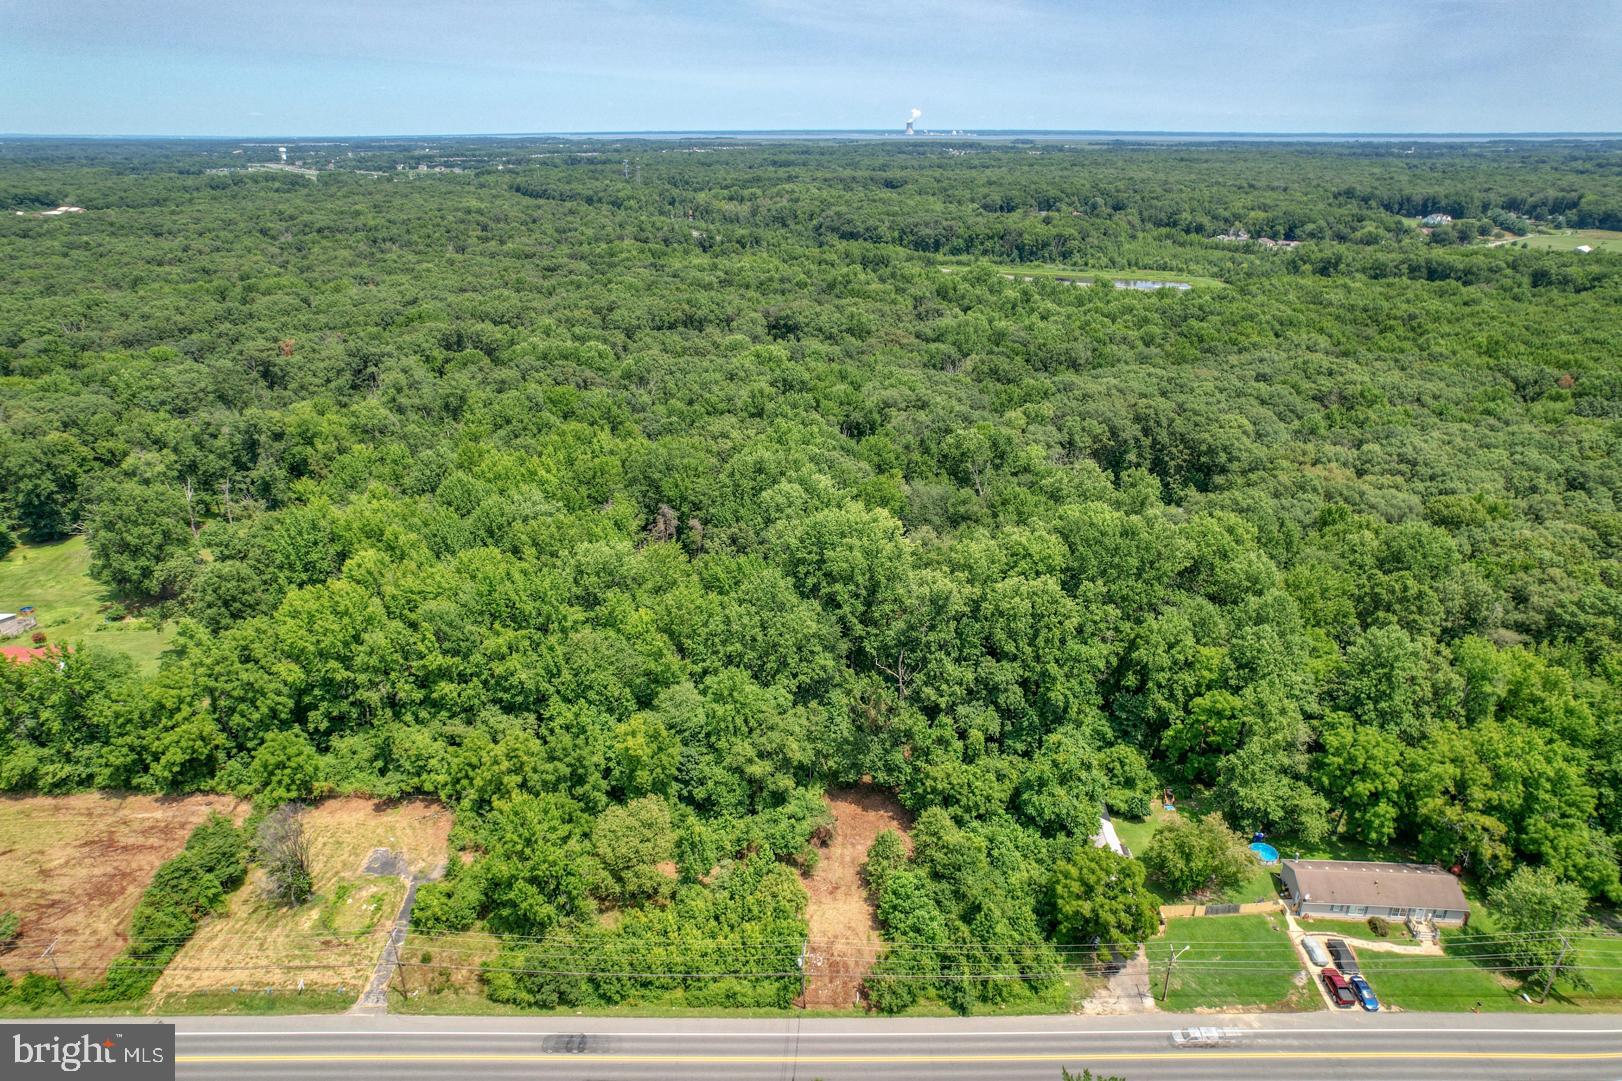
pixel 915 1059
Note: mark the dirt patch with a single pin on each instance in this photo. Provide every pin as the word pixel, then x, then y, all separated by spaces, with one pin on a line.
pixel 74 867
pixel 385 862
pixel 1128 988
pixel 844 933
pixel 332 941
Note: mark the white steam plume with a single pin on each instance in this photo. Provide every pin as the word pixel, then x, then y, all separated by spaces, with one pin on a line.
pixel 916 113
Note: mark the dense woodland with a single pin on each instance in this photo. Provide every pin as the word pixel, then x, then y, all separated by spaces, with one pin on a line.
pixel 626 496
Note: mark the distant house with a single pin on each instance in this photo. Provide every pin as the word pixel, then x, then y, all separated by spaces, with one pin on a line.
pixel 23 654
pixel 1107 838
pixel 30 654
pixel 14 623
pixel 1396 891
pixel 1434 220
pixel 1584 248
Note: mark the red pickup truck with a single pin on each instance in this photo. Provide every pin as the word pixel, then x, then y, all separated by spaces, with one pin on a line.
pixel 1340 992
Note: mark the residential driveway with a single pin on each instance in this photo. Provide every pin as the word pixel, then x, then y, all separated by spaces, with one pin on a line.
pixel 1297 933
pixel 1128 991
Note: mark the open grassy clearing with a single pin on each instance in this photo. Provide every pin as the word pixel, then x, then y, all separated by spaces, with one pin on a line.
pixel 74 868
pixel 55 579
pixel 1243 962
pixel 1036 271
pixel 1436 983
pixel 332 941
pixel 1568 239
pixel 1457 982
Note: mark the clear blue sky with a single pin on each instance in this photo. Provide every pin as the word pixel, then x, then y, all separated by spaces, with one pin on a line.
pixel 264 67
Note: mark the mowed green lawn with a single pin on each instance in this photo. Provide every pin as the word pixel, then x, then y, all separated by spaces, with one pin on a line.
pixel 1456 983
pixel 1230 961
pixel 55 579
pixel 1568 239
pixel 1035 271
pixel 1354 929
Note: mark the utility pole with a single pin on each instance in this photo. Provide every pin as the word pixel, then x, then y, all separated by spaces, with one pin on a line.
pixel 50 955
pixel 1565 944
pixel 1171 962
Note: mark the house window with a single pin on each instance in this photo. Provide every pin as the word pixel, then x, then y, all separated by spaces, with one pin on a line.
pixel 1338 908
pixel 1357 910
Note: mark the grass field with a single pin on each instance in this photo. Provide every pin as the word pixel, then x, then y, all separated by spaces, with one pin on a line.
pixel 332 941
pixel 1568 239
pixel 1020 271
pixel 1353 929
pixel 1435 983
pixel 1231 961
pixel 1455 982
pixel 55 579
pixel 74 867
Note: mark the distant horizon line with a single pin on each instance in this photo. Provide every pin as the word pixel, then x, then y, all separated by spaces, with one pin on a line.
pixel 883 133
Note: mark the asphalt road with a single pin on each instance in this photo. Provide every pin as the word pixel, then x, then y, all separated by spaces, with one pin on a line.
pixel 1320 1045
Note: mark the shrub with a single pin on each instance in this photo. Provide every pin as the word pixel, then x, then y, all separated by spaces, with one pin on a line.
pixel 447 906
pixel 529 978
pixel 184 890
pixel 10 923
pixel 285 767
pixel 1379 926
pixel 885 855
pixel 38 638
pixel 284 855
pixel 35 990
pixel 1190 854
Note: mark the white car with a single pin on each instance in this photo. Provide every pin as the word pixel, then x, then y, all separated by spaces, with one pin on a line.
pixel 1315 951
pixel 1204 1037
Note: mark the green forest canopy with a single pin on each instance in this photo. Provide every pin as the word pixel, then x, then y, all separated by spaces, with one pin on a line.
pixel 625 495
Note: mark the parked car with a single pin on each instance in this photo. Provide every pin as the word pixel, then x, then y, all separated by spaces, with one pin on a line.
pixel 1340 992
pixel 1315 951
pixel 1342 954
pixel 1364 993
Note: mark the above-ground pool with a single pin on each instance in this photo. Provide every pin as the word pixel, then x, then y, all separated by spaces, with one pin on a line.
pixel 1265 852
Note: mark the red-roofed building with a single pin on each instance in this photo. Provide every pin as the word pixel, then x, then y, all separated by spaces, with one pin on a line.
pixel 25 654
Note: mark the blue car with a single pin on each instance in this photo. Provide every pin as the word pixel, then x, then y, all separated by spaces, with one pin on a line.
pixel 1364 993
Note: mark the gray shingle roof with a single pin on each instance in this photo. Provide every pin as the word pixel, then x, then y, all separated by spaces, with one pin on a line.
pixel 1395 885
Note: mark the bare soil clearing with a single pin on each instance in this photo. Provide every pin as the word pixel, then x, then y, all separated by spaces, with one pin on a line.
pixel 844 941
pixel 74 868
pixel 333 941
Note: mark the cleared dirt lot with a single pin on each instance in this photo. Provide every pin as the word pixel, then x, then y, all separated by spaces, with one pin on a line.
pixel 844 934
pixel 334 940
pixel 74 867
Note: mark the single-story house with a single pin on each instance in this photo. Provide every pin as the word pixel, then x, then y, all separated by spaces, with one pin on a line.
pixel 1437 219
pixel 1397 891
pixel 14 623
